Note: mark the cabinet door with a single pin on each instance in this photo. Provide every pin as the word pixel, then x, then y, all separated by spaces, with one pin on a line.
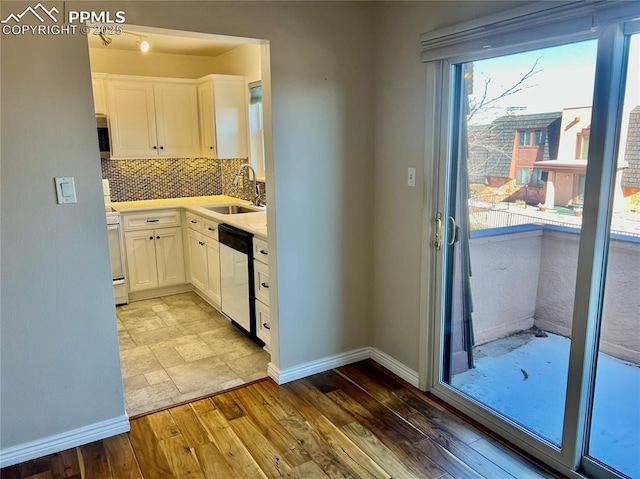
pixel 99 100
pixel 263 323
pixel 213 270
pixel 261 281
pixel 169 256
pixel 230 105
pixel 133 119
pixel 141 260
pixel 197 260
pixel 177 119
pixel 207 120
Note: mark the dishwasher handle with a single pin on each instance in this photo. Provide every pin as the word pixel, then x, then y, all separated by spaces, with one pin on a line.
pixel 236 239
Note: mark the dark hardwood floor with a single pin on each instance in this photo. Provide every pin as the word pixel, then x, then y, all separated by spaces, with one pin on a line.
pixel 357 421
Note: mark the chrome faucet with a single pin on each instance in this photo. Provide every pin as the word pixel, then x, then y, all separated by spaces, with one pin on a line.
pixel 256 191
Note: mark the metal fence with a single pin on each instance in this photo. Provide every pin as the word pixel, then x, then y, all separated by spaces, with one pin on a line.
pixel 485 218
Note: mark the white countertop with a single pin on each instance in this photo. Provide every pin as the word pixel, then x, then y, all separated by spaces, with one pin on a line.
pixel 255 223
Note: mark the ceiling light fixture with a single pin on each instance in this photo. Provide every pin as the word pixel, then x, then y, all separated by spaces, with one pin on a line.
pixel 143 45
pixel 106 41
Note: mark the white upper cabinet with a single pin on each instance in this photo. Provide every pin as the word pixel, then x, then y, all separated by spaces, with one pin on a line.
pixel 223 116
pixel 99 97
pixel 207 119
pixel 153 118
pixel 177 119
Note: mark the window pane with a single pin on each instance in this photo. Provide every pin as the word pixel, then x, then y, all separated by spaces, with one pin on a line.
pixel 514 267
pixel 615 426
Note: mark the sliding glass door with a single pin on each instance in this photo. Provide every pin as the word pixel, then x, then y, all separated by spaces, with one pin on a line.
pixel 614 433
pixel 536 239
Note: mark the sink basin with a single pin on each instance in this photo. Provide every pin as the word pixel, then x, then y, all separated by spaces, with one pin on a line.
pixel 231 209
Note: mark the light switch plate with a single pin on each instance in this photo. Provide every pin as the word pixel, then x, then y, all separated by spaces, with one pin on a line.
pixel 66 190
pixel 411 176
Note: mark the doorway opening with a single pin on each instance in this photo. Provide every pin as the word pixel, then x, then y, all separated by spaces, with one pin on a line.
pixel 175 344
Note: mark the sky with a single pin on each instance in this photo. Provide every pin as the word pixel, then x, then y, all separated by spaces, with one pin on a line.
pixel 564 78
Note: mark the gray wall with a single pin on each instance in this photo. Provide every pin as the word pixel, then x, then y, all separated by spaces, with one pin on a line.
pixel 342 283
pixel 59 351
pixel 60 366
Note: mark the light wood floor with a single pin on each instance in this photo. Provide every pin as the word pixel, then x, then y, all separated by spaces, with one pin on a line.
pixel 357 421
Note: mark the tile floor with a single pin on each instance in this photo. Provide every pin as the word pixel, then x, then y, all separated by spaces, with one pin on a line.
pixel 177 348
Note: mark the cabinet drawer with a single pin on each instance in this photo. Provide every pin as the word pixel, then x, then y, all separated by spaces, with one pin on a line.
pixel 194 222
pixel 260 250
pixel 261 279
pixel 210 229
pixel 263 324
pixel 151 219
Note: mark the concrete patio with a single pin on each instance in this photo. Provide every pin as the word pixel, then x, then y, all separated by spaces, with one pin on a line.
pixel 524 377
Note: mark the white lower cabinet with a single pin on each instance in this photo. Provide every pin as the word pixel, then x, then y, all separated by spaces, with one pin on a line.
pixel 197 260
pixel 261 287
pixel 154 258
pixel 204 256
pixel 263 325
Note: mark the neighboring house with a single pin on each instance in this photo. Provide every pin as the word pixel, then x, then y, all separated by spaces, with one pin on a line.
pixel 542 158
pixel 505 154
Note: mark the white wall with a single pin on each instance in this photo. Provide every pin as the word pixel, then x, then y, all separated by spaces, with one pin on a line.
pixel 59 359
pixel 399 143
pixel 125 62
pixel 243 60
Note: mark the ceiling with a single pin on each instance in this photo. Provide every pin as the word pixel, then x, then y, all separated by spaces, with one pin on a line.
pixel 181 45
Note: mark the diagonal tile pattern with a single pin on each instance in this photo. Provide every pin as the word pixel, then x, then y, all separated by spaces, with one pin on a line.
pixel 178 348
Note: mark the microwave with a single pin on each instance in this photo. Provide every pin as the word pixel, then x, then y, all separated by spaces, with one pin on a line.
pixel 103 136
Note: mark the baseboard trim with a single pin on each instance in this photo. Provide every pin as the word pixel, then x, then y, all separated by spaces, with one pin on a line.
pixel 395 366
pixel 158 292
pixel 66 440
pixel 282 376
pixel 324 364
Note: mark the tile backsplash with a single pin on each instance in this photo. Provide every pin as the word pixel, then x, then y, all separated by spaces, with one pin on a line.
pixel 154 178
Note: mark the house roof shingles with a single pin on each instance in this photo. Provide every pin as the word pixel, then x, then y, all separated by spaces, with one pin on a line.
pixel 631 174
pixel 491 146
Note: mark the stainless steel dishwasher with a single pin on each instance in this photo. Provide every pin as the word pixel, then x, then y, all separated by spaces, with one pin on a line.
pixel 236 277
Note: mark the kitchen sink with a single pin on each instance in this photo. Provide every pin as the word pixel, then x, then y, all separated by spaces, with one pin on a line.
pixel 231 209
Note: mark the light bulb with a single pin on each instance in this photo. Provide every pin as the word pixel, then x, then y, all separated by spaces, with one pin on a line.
pixel 144 46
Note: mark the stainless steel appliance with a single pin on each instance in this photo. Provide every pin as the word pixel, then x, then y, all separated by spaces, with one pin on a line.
pixel 236 278
pixel 103 136
pixel 116 248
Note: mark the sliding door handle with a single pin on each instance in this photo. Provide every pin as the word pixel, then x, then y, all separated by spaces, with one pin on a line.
pixel 437 242
pixel 454 231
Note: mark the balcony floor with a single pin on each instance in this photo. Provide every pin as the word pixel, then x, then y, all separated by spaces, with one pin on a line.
pixel 524 377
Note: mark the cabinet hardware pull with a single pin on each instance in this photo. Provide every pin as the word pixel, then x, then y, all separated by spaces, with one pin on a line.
pixel 211 147
pixel 194 222
pixel 152 221
pixel 265 285
pixel 150 237
pixel 264 252
pixel 157 237
pixel 211 229
pixel 266 326
pixel 162 147
pixel 155 147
